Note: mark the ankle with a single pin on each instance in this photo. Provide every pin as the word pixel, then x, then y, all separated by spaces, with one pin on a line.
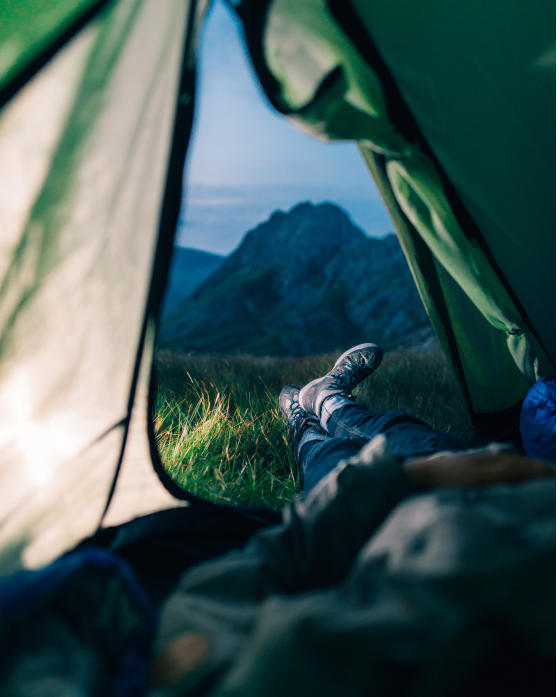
pixel 329 406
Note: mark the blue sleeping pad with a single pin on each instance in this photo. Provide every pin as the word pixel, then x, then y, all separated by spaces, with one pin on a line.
pixel 538 420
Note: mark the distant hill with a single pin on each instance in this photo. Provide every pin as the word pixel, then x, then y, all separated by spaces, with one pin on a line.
pixel 189 268
pixel 303 282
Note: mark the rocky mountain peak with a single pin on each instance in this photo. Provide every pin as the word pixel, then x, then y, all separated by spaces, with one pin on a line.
pixel 296 243
pixel 305 281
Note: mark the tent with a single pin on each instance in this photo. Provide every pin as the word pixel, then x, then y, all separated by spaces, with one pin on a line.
pixel 452 107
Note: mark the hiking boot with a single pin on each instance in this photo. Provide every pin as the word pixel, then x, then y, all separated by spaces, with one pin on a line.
pixel 350 369
pixel 297 418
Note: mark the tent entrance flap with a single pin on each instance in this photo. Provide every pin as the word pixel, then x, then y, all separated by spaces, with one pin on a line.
pixel 81 214
pixel 335 82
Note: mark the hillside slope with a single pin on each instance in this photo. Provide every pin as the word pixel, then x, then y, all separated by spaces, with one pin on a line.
pixel 189 268
pixel 307 281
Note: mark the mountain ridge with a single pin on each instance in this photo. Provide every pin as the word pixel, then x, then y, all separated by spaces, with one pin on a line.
pixel 189 268
pixel 306 281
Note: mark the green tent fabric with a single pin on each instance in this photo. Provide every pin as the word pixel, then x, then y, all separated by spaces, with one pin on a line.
pixel 451 106
pixel 320 66
pixel 479 80
pixel 28 29
pixel 85 148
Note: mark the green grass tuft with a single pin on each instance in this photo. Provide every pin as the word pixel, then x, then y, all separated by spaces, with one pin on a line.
pixel 221 434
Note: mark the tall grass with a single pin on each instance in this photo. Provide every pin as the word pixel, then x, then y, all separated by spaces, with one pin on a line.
pixel 222 436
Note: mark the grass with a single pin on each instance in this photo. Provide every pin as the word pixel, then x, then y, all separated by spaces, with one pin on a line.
pixel 221 434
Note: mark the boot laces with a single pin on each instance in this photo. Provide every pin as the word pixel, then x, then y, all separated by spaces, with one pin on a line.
pixel 298 417
pixel 355 371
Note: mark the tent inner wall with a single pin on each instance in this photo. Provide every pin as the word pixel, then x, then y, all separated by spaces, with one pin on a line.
pixel 27 29
pixel 84 153
pixel 476 351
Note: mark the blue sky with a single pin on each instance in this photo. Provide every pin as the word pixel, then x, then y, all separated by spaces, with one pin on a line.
pixel 245 161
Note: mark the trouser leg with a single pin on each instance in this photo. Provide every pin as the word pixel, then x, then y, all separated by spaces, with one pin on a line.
pixel 406 435
pixel 317 455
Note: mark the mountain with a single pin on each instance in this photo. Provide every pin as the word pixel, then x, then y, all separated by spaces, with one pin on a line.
pixel 307 281
pixel 189 268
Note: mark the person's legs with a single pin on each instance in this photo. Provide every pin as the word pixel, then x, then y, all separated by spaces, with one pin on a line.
pixel 318 454
pixel 350 426
pixel 342 427
pixel 406 435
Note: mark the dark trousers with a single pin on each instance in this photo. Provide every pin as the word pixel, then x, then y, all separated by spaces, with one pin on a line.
pixel 353 425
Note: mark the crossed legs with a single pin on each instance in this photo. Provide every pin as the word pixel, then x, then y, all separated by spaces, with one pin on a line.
pixel 350 426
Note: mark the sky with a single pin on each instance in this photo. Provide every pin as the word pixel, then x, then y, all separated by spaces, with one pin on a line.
pixel 245 160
